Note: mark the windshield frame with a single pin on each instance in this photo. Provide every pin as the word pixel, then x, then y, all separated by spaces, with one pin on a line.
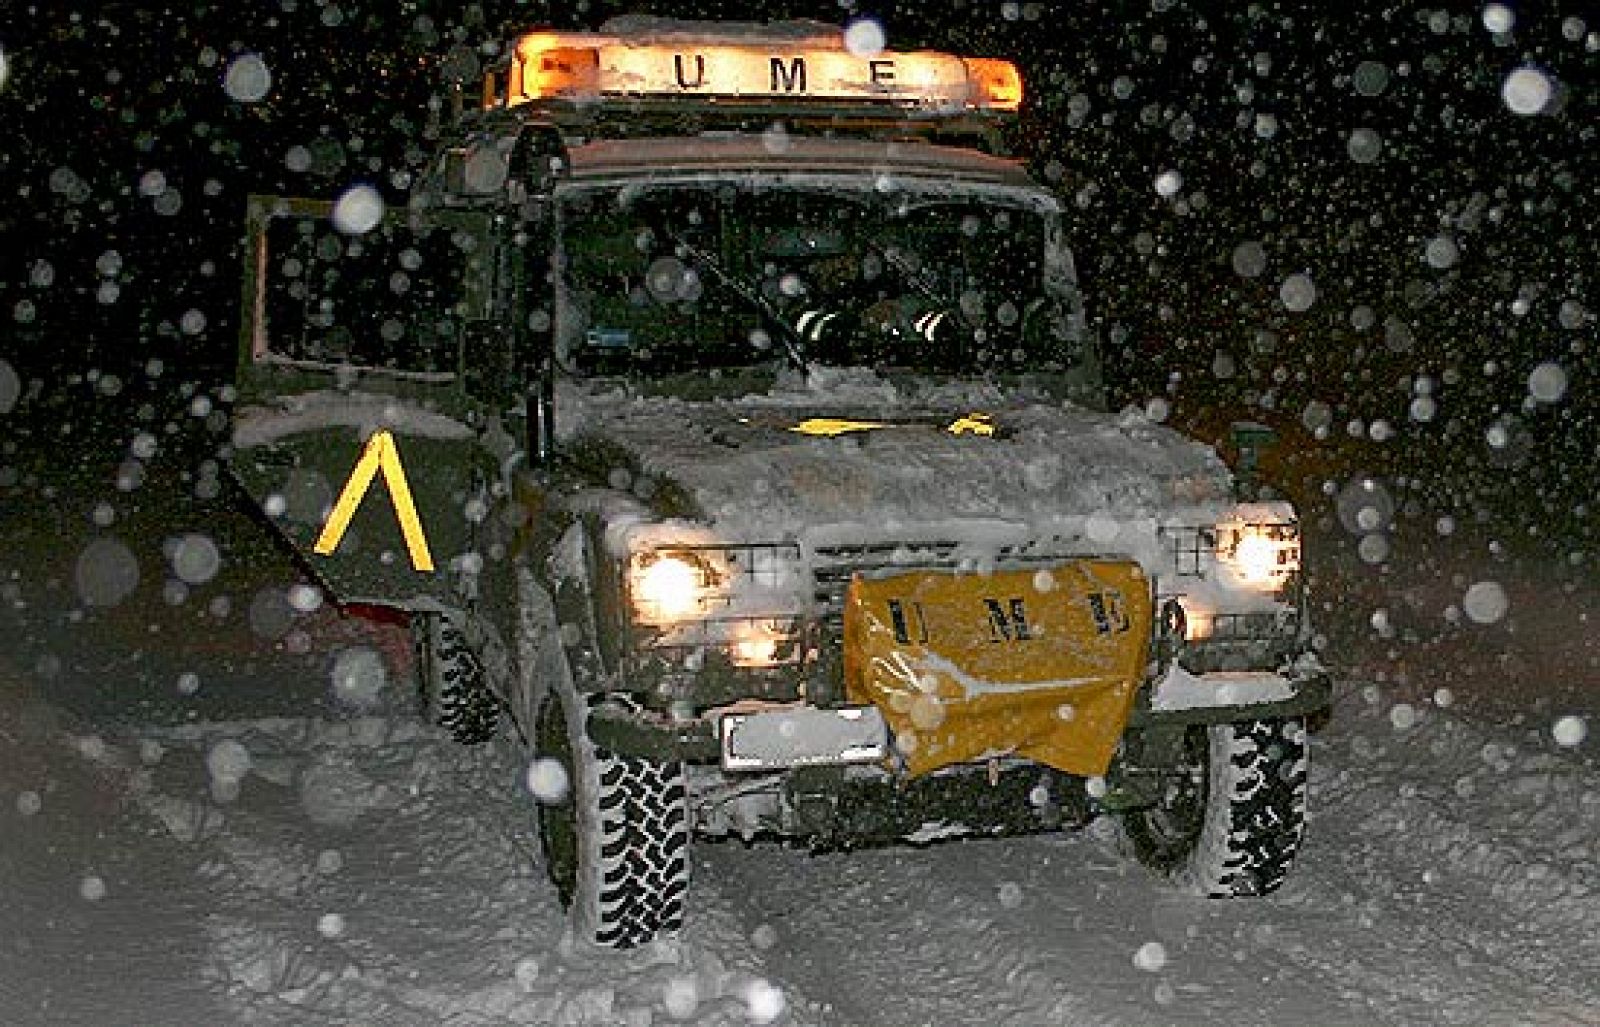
pixel 1057 273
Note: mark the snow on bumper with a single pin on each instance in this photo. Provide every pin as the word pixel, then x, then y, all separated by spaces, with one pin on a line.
pixel 803 737
pixel 1180 695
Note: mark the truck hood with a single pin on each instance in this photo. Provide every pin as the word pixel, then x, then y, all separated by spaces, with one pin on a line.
pixel 857 452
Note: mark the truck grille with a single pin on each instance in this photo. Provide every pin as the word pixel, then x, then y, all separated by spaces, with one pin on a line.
pixel 832 567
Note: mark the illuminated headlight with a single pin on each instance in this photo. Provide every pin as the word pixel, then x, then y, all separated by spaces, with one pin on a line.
pixel 1260 557
pixel 672 587
pixel 677 584
pixel 745 600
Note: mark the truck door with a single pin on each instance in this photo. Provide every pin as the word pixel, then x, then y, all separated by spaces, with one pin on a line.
pixel 361 429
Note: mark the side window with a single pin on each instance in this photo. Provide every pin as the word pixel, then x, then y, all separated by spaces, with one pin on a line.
pixel 393 298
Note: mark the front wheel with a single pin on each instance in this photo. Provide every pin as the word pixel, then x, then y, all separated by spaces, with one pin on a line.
pixel 616 838
pixel 1231 819
pixel 453 690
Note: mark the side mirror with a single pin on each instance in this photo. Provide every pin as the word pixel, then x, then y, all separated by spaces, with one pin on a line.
pixel 540 419
pixel 1247 441
pixel 538 158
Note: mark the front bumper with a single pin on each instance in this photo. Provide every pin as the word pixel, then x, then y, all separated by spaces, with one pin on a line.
pixel 1178 697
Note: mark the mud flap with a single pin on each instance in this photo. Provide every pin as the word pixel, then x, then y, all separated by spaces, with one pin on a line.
pixel 1041 663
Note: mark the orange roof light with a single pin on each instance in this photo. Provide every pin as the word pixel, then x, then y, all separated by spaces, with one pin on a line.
pixel 997 81
pixel 745 66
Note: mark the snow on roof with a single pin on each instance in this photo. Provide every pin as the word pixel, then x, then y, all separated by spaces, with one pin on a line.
pixel 647 28
pixel 605 158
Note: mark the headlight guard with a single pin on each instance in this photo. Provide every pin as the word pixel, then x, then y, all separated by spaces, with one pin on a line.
pixel 1255 549
pixel 1236 587
pixel 1261 556
pixel 744 600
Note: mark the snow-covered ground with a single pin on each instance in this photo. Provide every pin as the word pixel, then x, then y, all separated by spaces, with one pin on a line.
pixel 368 870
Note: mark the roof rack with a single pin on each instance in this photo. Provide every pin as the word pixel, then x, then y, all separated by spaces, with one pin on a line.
pixel 654 118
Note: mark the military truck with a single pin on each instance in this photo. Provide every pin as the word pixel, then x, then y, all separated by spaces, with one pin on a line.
pixel 745 458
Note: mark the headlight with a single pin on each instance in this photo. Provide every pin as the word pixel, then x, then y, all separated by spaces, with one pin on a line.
pixel 1236 581
pixel 668 588
pixel 746 600
pixel 1259 557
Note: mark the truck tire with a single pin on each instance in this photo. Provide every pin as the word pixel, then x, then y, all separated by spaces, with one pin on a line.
pixel 1232 823
pixel 453 692
pixel 616 844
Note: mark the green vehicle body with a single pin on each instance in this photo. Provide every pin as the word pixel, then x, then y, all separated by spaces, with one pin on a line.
pixel 438 326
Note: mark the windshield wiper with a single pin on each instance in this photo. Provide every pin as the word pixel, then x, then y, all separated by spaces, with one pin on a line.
pixel 895 259
pixel 787 333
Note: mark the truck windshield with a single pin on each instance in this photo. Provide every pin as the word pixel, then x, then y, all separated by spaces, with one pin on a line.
pixel 663 279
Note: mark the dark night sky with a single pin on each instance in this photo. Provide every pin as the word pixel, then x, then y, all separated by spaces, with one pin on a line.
pixel 119 138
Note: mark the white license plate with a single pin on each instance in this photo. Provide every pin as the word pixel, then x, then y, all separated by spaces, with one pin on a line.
pixel 803 737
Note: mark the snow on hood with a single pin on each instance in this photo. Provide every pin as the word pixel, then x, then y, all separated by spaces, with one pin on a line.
pixel 312 411
pixel 742 467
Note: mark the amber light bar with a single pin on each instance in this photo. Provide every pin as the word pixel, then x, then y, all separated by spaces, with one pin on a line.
pixel 581 66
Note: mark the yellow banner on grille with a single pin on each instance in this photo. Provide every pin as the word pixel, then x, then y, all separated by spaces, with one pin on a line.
pixel 1041 663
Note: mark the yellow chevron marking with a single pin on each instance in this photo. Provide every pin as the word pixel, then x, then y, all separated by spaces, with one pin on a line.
pixel 380 454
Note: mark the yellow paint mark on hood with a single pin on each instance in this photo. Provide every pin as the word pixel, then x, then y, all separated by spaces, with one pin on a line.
pixel 831 426
pixel 969 424
pixel 972 424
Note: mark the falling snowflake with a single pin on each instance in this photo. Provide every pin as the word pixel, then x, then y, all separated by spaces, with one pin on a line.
pixel 547 780
pixel 1371 78
pixel 1151 956
pixel 248 79
pixel 107 572
pixel 228 762
pixel 1570 731
pixel 359 678
pixel 681 997
pixel 195 558
pixel 864 38
pixel 1442 252
pixel 1547 383
pixel 1527 91
pixel 1298 292
pixel 1485 602
pixel 358 210
pixel 1364 145
pixel 1498 18
pixel 10 387
pixel 764 1002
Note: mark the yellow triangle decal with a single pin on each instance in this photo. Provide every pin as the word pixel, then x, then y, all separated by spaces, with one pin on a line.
pixel 380 454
